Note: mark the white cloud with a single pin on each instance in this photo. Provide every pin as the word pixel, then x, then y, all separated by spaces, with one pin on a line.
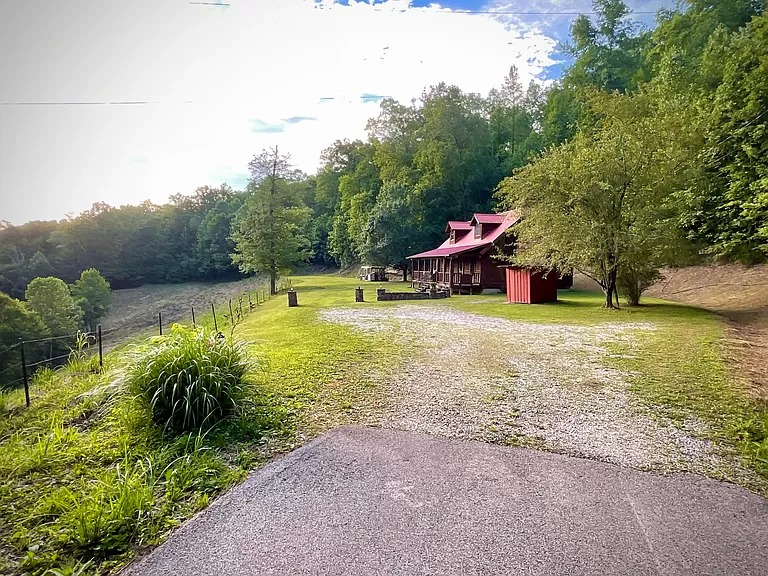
pixel 265 60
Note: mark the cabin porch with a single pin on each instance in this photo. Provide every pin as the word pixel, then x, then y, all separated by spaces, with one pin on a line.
pixel 455 274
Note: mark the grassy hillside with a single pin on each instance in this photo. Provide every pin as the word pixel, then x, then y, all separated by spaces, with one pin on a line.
pixel 86 482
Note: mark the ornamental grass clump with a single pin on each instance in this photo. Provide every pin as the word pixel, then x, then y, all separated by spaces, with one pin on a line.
pixel 191 379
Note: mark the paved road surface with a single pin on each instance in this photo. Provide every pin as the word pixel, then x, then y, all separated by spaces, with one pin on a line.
pixel 363 501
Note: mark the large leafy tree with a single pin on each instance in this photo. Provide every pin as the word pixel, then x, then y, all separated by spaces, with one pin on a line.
pixel 731 209
pixel 390 235
pixel 93 295
pixel 349 181
pixel 454 159
pixel 213 235
pixel 17 322
pixel 604 203
pixel 24 254
pixel 514 116
pixel 609 54
pixel 685 38
pixel 270 234
pixel 51 299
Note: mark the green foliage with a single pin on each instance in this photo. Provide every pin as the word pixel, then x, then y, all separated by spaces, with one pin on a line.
pixel 438 158
pixel 214 243
pixel 93 295
pixel 733 211
pixel 390 235
pixel 561 115
pixel 17 322
pixel 352 167
pixel 609 53
pixel 604 202
pixel 191 380
pixel 683 38
pixel 39 265
pixel 51 299
pixel 186 239
pixel 269 233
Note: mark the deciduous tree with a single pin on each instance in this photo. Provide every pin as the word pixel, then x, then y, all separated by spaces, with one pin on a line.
pixel 93 295
pixel 270 235
pixel 603 203
pixel 51 299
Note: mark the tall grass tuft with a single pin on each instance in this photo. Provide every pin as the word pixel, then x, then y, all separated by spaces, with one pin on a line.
pixel 191 379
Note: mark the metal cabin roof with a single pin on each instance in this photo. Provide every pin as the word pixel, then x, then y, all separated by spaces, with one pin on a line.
pixel 442 251
pixel 488 218
pixel 458 225
pixel 469 242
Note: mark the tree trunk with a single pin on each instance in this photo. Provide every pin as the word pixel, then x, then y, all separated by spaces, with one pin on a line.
pixel 405 273
pixel 610 288
pixel 273 283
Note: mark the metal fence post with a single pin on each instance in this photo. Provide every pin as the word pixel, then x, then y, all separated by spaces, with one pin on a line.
pixel 160 322
pixel 215 324
pixel 193 316
pixel 24 374
pixel 101 350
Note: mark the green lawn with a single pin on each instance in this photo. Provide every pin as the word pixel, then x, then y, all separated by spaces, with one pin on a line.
pixel 86 481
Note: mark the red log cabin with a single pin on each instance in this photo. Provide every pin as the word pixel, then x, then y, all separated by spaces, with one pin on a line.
pixel 465 262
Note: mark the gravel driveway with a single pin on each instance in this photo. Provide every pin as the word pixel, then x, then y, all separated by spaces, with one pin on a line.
pixel 545 385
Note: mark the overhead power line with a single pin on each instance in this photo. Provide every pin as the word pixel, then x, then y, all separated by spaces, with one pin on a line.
pixel 519 13
pixel 94 103
pixel 465 12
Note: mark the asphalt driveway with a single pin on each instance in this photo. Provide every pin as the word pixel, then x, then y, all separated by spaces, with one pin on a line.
pixel 368 501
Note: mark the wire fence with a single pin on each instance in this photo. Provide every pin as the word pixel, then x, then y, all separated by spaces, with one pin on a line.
pixel 20 361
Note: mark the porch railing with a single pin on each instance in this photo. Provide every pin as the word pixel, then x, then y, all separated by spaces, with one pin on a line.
pixel 466 279
pixel 424 276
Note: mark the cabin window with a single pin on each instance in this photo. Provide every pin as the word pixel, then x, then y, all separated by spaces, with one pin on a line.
pixel 478 230
pixel 453 236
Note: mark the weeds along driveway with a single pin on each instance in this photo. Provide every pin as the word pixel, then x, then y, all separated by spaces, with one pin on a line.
pixel 544 385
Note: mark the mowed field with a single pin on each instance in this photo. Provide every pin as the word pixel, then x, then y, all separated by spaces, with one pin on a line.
pixel 87 482
pixel 738 294
pixel 135 311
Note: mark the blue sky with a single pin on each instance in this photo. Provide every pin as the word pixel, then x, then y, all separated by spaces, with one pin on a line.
pixel 221 83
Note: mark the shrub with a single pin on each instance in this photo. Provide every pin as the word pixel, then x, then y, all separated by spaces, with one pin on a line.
pixel 191 379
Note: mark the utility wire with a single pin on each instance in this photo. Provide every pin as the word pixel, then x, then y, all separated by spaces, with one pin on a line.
pixel 519 13
pixel 451 11
pixel 93 103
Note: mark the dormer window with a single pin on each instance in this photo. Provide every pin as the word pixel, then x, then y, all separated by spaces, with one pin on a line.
pixel 478 230
pixel 453 236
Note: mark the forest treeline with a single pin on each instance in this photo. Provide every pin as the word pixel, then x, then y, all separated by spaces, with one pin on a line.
pixel 444 156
